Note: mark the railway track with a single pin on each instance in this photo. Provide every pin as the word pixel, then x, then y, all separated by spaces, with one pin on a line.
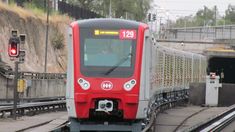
pixel 217 123
pixel 190 116
pixel 33 108
pixel 56 125
pixel 163 101
pixel 7 102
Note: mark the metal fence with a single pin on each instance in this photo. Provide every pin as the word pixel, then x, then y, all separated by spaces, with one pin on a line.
pixel 210 33
pixel 76 11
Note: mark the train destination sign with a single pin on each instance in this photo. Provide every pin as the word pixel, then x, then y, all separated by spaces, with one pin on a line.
pixel 123 33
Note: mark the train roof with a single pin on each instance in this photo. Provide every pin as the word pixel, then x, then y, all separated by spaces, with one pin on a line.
pixel 178 52
pixel 108 23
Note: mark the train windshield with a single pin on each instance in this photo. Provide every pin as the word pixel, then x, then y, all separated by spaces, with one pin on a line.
pixel 106 55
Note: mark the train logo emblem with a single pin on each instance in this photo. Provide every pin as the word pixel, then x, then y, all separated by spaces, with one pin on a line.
pixel 106 85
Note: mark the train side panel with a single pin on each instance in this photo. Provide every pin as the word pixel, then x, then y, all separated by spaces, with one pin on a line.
pixel 173 69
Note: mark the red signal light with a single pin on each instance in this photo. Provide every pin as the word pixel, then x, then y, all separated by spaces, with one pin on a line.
pixel 13 49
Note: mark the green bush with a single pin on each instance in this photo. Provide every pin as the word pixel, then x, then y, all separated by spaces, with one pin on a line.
pixel 57 40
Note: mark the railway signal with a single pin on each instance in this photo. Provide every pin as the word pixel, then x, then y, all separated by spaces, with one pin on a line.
pixel 154 17
pixel 149 17
pixel 13 47
pixel 16 53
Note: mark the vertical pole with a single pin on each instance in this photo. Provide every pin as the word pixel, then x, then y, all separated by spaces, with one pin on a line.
pixel 7 88
pixel 151 26
pixel 156 29
pixel 205 13
pixel 45 5
pixel 185 30
pixel 200 33
pixel 47 28
pixel 230 34
pixel 160 28
pixel 215 32
pixel 223 30
pixel 110 9
pixel 15 90
pixel 215 15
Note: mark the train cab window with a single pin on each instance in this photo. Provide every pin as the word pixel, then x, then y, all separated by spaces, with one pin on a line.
pixel 106 56
pixel 107 52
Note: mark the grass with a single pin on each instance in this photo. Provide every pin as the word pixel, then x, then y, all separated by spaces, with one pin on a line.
pixel 13 8
pixel 31 11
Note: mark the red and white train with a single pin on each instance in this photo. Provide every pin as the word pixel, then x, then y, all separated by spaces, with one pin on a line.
pixel 114 69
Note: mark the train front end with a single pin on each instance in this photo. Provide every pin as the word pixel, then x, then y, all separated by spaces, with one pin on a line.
pixel 104 69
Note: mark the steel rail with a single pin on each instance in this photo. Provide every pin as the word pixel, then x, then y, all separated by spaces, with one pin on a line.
pixel 221 123
pixel 216 123
pixel 33 108
pixel 41 99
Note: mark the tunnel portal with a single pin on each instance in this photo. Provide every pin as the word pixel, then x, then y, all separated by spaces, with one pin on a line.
pixel 224 67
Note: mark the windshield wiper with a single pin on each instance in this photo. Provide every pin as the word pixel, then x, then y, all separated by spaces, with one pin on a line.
pixel 118 64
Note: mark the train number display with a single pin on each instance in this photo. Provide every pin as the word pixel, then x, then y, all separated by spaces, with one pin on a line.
pixel 127 34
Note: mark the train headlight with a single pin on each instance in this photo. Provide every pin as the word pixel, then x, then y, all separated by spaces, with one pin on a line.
pixel 84 84
pixel 129 85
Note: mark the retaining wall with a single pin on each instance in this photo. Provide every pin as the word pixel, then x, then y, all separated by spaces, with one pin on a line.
pixel 226 94
pixel 35 88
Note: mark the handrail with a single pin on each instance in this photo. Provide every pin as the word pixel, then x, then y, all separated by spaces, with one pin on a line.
pixel 34 75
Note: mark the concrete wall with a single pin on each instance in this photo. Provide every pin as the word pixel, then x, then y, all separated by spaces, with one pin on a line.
pixel 46 88
pixel 6 89
pixel 35 88
pixel 226 94
pixel 197 93
pixel 191 47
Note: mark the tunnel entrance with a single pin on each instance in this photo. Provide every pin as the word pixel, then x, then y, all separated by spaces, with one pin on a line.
pixel 224 65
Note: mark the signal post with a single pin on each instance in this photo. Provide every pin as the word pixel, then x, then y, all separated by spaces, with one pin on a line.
pixel 16 54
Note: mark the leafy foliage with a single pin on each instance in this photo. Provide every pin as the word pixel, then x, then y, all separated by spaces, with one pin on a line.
pixel 132 9
pixel 207 17
pixel 57 40
pixel 230 14
pixel 203 17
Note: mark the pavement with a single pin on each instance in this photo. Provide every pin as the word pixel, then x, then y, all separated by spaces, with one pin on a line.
pixel 181 118
pixel 10 125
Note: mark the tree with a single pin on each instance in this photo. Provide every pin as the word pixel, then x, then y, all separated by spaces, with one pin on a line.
pixel 87 4
pixel 135 9
pixel 203 17
pixel 206 16
pixel 230 15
